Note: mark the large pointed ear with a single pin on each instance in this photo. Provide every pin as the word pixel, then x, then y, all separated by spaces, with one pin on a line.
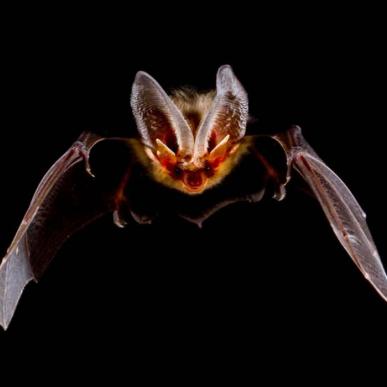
pixel 159 121
pixel 227 116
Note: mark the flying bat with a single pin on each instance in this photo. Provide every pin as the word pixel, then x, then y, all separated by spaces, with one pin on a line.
pixel 192 157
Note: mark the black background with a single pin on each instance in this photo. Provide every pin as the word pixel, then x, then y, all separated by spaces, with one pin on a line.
pixel 266 280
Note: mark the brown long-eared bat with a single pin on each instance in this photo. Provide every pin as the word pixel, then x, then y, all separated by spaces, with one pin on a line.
pixel 190 148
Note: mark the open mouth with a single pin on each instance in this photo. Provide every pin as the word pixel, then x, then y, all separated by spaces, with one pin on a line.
pixel 197 189
pixel 194 182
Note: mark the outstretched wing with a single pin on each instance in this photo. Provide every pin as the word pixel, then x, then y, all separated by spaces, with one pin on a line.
pixel 340 206
pixel 67 198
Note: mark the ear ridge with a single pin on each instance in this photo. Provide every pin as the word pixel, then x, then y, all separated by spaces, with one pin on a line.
pixel 228 113
pixel 157 115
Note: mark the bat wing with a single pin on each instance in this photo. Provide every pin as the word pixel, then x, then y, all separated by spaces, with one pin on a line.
pixel 67 198
pixel 344 213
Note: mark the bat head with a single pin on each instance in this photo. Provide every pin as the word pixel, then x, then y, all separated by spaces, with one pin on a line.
pixel 192 140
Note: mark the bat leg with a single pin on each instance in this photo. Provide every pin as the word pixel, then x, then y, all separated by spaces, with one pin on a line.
pixel 123 208
pixel 272 176
pixel 121 202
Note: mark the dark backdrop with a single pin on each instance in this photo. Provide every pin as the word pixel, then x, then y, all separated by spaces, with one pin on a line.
pixel 257 280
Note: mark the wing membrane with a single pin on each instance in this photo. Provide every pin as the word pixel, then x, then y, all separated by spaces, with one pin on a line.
pixel 66 199
pixel 344 213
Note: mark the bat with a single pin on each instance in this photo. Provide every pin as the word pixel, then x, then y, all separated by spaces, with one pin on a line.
pixel 192 157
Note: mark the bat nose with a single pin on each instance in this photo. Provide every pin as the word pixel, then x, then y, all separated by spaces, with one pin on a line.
pixel 194 179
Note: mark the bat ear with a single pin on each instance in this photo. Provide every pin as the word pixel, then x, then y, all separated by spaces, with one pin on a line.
pixel 159 121
pixel 227 115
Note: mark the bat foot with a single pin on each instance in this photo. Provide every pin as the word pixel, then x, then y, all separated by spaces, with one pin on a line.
pixel 141 219
pixel 280 193
pixel 118 220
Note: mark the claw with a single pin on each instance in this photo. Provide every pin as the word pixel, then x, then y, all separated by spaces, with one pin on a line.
pixel 117 219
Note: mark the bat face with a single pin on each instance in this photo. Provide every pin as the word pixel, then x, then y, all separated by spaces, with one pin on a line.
pixel 193 175
pixel 191 141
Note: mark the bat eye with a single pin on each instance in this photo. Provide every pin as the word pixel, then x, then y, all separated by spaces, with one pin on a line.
pixel 209 171
pixel 177 171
